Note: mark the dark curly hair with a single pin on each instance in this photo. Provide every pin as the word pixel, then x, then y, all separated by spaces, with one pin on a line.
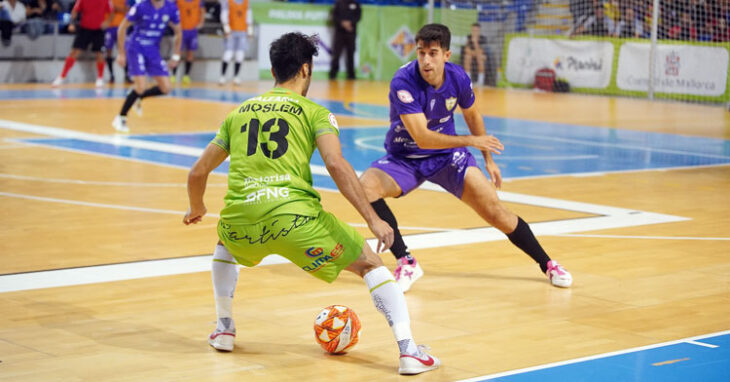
pixel 289 52
pixel 435 32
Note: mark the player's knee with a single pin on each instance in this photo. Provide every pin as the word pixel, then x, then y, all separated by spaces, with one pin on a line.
pixel 371 184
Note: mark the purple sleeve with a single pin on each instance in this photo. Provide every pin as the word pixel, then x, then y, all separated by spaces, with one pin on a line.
pixel 466 93
pixel 404 97
pixel 174 14
pixel 134 15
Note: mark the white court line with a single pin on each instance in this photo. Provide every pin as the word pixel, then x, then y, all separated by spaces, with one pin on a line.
pixel 590 358
pixel 702 344
pixel 613 217
pixel 645 237
pixel 100 183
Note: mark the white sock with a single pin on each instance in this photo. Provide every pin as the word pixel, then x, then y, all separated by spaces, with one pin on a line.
pixel 224 272
pixel 389 300
pixel 480 81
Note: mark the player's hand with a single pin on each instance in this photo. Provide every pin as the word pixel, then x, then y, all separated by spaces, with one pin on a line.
pixel 72 27
pixel 122 60
pixel 384 233
pixel 194 215
pixel 487 143
pixel 494 173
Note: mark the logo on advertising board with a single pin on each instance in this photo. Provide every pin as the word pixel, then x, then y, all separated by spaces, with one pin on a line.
pixel 402 43
pixel 671 64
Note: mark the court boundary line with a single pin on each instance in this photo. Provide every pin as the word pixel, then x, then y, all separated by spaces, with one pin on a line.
pixel 488 377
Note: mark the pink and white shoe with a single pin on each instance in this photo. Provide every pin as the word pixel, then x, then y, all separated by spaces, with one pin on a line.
pixel 557 275
pixel 407 272
pixel 424 362
pixel 222 340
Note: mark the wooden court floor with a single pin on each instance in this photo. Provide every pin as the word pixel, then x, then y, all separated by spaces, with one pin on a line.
pixel 483 307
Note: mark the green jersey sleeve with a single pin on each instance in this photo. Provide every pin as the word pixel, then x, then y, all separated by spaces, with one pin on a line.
pixel 222 139
pixel 324 122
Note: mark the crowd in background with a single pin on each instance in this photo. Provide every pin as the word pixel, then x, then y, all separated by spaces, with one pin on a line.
pixel 687 20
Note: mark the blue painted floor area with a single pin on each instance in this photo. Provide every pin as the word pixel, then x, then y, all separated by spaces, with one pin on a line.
pixel 677 362
pixel 532 148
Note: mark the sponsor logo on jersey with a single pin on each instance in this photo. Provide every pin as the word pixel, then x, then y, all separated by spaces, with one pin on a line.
pixel 267 193
pixel 314 252
pixel 333 121
pixel 444 119
pixel 405 96
pixel 450 103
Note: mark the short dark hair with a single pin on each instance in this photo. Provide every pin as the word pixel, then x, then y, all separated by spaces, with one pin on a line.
pixel 289 52
pixel 476 25
pixel 435 32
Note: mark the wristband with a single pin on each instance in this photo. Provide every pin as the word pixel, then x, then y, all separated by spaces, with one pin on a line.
pixel 175 57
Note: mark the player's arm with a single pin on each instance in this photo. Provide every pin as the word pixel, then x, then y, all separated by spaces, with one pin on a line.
pixel 176 43
pixel 121 38
pixel 201 15
pixel 348 184
pixel 74 16
pixel 425 138
pixel 211 158
pixel 225 21
pixel 475 122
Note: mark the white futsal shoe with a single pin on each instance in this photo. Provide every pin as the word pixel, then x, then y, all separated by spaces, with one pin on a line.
pixel 120 124
pixel 57 82
pixel 99 82
pixel 407 272
pixel 221 81
pixel 424 362
pixel 222 340
pixel 236 81
pixel 557 275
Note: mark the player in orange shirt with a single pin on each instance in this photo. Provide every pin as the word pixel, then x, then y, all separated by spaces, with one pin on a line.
pixel 191 19
pixel 119 10
pixel 237 26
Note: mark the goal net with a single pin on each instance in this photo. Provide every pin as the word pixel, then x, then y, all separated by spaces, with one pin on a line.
pixel 665 49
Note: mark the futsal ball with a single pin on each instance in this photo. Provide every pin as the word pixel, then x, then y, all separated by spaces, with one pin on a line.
pixel 337 329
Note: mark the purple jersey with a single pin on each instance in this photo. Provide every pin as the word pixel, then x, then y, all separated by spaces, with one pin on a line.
pixel 150 22
pixel 411 94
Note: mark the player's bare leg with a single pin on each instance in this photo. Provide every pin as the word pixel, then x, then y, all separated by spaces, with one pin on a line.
pixel 379 185
pixel 481 195
pixel 389 300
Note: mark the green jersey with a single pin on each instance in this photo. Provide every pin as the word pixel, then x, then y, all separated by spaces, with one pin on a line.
pixel 270 140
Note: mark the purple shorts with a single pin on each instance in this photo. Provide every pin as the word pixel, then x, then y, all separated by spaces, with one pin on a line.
pixel 447 170
pixel 145 61
pixel 189 40
pixel 110 38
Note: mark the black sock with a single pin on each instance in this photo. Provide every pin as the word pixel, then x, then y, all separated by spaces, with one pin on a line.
pixel 525 240
pixel 151 92
pixel 131 97
pixel 236 68
pixel 174 71
pixel 110 65
pixel 224 66
pixel 188 65
pixel 398 248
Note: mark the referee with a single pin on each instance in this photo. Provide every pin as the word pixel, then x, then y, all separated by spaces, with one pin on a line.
pixel 90 31
pixel 345 14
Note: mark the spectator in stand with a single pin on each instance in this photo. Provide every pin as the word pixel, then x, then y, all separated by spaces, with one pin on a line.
pixel 34 22
pixel 630 26
pixel 90 33
pixel 597 24
pixel 706 31
pixel 722 32
pixel 685 30
pixel 12 13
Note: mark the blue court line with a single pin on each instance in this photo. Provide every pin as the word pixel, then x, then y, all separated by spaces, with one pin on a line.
pixel 673 361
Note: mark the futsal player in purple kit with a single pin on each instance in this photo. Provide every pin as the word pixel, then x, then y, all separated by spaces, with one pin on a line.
pixel 150 18
pixel 422 145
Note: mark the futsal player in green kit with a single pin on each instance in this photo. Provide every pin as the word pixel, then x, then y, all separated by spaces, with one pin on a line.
pixel 271 206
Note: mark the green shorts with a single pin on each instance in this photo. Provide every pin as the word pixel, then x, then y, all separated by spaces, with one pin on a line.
pixel 323 245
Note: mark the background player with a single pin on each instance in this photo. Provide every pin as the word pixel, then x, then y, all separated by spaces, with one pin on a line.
pixel 271 206
pixel 119 10
pixel 90 32
pixel 237 25
pixel 422 145
pixel 191 19
pixel 150 18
